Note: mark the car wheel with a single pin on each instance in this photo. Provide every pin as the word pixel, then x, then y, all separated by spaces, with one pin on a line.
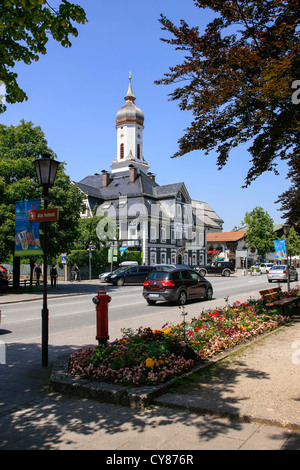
pixel 120 282
pixel 182 298
pixel 226 273
pixel 270 280
pixel 151 302
pixel 202 272
pixel 209 293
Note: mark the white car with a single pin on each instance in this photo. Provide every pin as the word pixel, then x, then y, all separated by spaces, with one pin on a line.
pixel 265 266
pixel 262 267
pixel 278 273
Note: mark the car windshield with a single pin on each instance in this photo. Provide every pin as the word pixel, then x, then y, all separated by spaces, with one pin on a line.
pixel 120 270
pixel 159 275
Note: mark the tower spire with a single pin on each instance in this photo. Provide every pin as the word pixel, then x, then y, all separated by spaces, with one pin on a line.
pixel 130 96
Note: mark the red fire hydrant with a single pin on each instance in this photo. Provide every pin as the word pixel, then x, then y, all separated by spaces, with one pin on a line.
pixel 102 300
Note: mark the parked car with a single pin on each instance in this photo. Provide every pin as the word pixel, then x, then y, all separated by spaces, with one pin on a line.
pixel 176 285
pixel 261 267
pixel 225 268
pixel 278 272
pixel 264 267
pixel 129 275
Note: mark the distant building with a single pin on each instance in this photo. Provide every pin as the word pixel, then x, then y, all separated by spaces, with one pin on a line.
pixel 229 246
pixel 162 222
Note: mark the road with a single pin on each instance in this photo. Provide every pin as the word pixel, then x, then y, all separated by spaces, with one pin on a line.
pixel 22 321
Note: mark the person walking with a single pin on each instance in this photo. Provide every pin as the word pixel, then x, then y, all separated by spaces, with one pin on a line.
pixel 53 275
pixel 38 272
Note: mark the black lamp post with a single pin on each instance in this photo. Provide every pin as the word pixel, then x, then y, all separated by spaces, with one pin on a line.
pixel 46 169
pixel 286 229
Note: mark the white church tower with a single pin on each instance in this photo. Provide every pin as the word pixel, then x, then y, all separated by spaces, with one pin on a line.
pixel 130 126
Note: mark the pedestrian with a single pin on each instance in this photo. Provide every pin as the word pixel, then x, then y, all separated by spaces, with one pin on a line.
pixel 74 272
pixel 53 275
pixel 38 272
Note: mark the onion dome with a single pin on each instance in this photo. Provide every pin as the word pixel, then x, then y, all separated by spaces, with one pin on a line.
pixel 130 113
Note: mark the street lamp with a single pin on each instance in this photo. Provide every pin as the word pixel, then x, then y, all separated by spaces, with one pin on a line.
pixel 286 229
pixel 46 169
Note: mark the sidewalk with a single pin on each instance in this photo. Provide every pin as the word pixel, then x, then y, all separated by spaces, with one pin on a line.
pixel 251 401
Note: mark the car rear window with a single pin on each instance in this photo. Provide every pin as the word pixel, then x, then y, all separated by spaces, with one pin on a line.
pixel 159 275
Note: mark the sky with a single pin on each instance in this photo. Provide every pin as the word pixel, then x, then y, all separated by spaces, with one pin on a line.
pixel 74 95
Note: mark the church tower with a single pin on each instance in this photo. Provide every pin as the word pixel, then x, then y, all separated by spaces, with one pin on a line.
pixel 130 126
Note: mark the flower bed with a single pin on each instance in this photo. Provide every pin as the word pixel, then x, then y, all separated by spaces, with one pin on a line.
pixel 150 357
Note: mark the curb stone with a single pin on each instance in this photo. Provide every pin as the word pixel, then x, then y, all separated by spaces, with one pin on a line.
pixel 133 397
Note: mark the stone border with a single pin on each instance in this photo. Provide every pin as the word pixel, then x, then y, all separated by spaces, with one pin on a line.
pixel 133 397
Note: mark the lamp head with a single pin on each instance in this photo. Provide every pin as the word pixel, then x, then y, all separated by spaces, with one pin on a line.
pixel 46 169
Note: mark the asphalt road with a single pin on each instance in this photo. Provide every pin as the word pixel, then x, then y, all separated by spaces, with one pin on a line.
pixel 22 321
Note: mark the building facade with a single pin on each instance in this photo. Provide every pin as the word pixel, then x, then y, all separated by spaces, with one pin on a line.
pixel 162 222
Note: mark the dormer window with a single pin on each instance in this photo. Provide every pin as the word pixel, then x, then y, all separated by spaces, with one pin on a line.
pixel 122 203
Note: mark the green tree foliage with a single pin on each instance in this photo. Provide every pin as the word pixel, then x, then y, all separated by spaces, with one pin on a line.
pixel 236 78
pixel 290 199
pixel 260 232
pixel 87 233
pixel 25 26
pixel 293 242
pixel 19 147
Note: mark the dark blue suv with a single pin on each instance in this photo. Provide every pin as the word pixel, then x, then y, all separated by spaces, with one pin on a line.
pixel 129 275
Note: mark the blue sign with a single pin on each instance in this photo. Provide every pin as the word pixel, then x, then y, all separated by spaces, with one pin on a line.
pixel 280 248
pixel 27 239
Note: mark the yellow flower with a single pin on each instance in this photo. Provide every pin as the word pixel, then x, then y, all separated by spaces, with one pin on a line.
pixel 150 362
pixel 167 331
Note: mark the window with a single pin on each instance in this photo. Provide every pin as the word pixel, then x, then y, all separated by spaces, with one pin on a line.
pixel 122 202
pixel 173 236
pixel 121 150
pixel 186 275
pixel 195 276
pixel 153 257
pixel 163 234
pixel 138 151
pixel 153 233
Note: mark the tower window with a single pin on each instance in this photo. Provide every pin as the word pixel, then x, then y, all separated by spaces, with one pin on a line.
pixel 122 151
pixel 138 151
